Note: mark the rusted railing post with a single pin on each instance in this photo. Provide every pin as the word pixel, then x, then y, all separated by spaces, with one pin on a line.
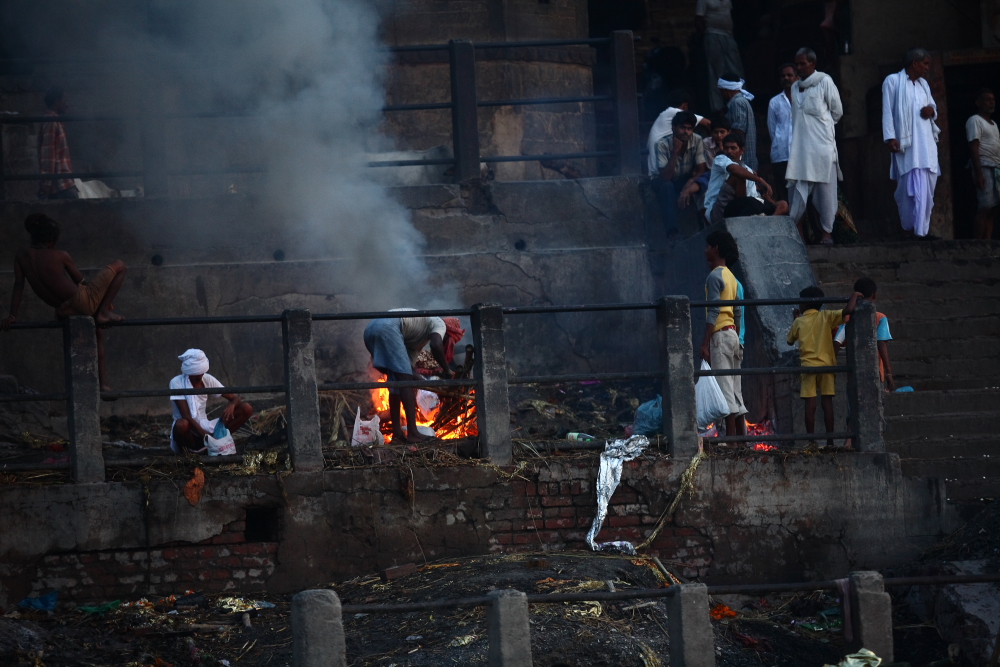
pixel 304 443
pixel 864 383
pixel 626 102
pixel 318 630
pixel 680 416
pixel 83 399
pixel 492 402
pixel 464 112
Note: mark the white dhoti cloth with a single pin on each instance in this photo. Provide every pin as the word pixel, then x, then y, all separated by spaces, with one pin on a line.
pixel 824 198
pixel 915 199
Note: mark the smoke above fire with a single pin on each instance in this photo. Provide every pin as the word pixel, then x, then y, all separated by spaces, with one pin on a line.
pixel 308 77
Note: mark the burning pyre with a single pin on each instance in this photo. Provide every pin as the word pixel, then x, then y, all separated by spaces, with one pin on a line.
pixel 449 413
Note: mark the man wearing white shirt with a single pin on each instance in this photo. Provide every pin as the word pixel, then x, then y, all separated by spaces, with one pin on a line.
pixel 677 101
pixel 779 125
pixel 984 144
pixel 908 128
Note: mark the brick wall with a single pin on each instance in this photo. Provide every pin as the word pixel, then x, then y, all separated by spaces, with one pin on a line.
pixel 222 563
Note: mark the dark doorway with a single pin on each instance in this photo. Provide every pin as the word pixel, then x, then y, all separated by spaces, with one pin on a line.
pixel 962 82
pixel 263 524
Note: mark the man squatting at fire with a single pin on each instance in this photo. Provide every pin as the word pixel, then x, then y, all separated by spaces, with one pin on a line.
pixel 395 345
pixel 55 279
pixel 191 422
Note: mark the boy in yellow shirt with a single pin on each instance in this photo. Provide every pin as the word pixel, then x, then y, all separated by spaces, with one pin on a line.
pixel 813 329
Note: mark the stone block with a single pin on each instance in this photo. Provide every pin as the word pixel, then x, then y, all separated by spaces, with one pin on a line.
pixel 871 615
pixel 692 641
pixel 508 629
pixel 317 630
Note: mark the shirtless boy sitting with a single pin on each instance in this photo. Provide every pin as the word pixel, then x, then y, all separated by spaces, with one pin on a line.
pixel 56 280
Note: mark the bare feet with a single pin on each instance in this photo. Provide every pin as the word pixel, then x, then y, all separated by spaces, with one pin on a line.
pixel 418 437
pixel 826 239
pixel 106 317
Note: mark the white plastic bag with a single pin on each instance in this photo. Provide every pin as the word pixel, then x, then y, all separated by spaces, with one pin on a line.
pixel 427 401
pixel 708 398
pixel 366 433
pixel 224 446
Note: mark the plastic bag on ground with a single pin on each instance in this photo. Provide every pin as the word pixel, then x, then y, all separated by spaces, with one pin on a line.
pixel 863 658
pixel 649 418
pixel 708 397
pixel 224 446
pixel 45 602
pixel 366 433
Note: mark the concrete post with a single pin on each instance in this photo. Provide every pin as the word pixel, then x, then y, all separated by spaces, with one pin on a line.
pixel 626 102
pixel 492 402
pixel 509 632
pixel 680 417
pixel 692 640
pixel 864 385
pixel 464 111
pixel 317 630
pixel 83 390
pixel 871 615
pixel 304 443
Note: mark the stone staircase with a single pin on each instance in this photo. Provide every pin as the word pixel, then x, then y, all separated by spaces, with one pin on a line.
pixel 943 303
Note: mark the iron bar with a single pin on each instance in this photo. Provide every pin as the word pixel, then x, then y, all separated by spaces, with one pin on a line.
pixel 85 174
pixel 146 461
pixel 395 384
pixel 218 170
pixel 21 398
pixel 409 163
pixel 781 437
pixel 545 42
pixel 943 580
pixel 223 319
pixel 544 100
pixel 780 370
pixel 404 608
pixel 603 596
pixel 554 156
pixel 29 467
pixel 385 315
pixel 21 120
pixel 531 310
pixel 757 589
pixel 151 393
pixel 583 377
pixel 417 107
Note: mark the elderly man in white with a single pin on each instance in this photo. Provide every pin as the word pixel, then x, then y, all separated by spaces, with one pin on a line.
pixel 813 168
pixel 908 127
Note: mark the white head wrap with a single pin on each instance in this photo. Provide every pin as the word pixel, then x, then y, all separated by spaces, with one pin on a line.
pixel 735 85
pixel 194 362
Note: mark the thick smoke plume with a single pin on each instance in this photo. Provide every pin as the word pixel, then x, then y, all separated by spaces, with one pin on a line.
pixel 310 75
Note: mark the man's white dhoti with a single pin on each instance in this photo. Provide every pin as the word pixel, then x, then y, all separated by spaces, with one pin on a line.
pixel 824 198
pixel 915 199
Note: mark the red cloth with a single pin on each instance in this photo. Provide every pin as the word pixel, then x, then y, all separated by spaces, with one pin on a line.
pixel 53 156
pixel 451 337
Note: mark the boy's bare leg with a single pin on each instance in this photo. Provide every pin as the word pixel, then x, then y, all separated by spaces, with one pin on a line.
pixel 741 425
pixel 104 314
pixel 983 226
pixel 243 412
pixel 828 416
pixel 731 425
pixel 394 417
pixel 810 414
pixel 409 398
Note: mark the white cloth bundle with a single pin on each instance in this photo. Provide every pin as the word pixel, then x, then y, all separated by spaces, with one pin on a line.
pixel 193 362
pixel 735 85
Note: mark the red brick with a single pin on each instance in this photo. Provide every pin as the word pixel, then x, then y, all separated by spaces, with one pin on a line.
pixel 550 512
pixel 228 561
pixel 253 561
pixel 228 538
pixel 566 512
pixel 391 573
pixel 502 538
pixel 615 521
pixel 170 554
pixel 543 489
pixel 519 501
pixel 534 513
pixel 584 521
pixel 207 552
pixel 525 538
pixel 530 489
pixel 87 558
pixel 560 523
pixel 517 489
pixel 499 526
pixel 271 547
pixel 584 501
pixel 527 525
pixel 553 488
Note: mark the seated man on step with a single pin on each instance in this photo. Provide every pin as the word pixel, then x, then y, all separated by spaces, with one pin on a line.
pixel 734 189
pixel 191 422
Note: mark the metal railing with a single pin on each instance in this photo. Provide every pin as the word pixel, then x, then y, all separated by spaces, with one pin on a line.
pixel 491 382
pixel 463 103
pixel 867 615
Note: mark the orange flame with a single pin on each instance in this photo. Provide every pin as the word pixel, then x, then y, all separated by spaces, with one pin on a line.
pixel 463 426
pixel 763 428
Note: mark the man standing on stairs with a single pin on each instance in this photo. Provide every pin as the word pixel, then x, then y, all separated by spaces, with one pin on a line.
pixel 984 144
pixel 908 128
pixel 813 163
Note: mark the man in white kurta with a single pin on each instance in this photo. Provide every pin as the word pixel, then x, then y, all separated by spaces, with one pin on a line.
pixel 908 113
pixel 813 169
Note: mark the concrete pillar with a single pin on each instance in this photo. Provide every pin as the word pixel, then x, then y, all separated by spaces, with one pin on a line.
pixel 864 385
pixel 871 615
pixel 626 102
pixel 83 390
pixel 673 330
pixel 492 402
pixel 317 630
pixel 304 443
pixel 464 112
pixel 692 640
pixel 509 632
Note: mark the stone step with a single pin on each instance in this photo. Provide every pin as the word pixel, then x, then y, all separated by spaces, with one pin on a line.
pixel 918 428
pixel 922 384
pixel 921 403
pixel 955 272
pixel 909 251
pixel 964 447
pixel 953 331
pixel 980 489
pixel 973 469
pixel 892 292
pixel 909 349
pixel 949 369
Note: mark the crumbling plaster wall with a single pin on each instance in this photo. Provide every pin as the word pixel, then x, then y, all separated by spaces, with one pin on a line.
pixel 755 519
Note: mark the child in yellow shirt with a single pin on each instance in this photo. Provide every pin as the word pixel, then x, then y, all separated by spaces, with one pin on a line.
pixel 813 330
